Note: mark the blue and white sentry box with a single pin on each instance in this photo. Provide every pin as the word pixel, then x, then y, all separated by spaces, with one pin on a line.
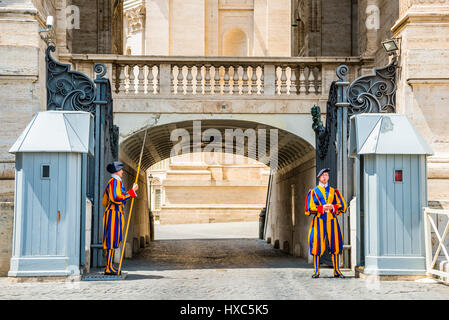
pixel 391 183
pixel 47 211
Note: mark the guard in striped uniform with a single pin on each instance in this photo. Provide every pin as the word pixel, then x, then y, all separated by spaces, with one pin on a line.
pixel 325 203
pixel 114 200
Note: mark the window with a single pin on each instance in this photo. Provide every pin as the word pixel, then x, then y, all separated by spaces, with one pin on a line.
pixel 398 176
pixel 157 200
pixel 45 172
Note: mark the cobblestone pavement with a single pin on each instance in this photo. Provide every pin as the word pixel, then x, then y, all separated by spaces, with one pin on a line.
pixel 231 268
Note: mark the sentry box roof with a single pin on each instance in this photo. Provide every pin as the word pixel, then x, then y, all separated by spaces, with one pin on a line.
pixel 57 131
pixel 376 133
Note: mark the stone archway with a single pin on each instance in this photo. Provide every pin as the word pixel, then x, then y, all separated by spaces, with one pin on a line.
pixel 294 173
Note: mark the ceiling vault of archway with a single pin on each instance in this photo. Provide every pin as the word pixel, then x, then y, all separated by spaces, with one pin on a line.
pixel 158 145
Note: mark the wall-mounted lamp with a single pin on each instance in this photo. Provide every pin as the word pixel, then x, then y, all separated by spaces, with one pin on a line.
pixel 390 46
pixel 44 33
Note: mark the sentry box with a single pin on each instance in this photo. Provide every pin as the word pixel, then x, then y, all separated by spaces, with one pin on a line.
pixel 391 191
pixel 48 194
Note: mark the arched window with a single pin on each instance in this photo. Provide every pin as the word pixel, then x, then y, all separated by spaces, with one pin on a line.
pixel 235 43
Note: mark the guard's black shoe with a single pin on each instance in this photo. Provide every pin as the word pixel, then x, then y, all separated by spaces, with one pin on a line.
pixel 315 276
pixel 110 273
pixel 339 276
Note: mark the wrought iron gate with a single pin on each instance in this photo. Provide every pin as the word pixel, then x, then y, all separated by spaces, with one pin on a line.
pixel 73 90
pixel 372 93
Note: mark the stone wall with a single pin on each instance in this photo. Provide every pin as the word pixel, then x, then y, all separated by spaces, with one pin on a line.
pixel 280 230
pixel 424 82
pixel 324 28
pixel 6 231
pixel 139 228
pixel 101 27
pixel 200 27
pixel 22 77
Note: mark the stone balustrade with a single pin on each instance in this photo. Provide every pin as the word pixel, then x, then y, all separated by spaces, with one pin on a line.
pixel 157 77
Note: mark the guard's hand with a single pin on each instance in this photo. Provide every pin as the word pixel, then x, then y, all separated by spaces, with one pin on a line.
pixel 328 207
pixel 135 187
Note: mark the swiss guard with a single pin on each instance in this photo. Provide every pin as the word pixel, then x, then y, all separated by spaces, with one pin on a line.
pixel 114 200
pixel 325 203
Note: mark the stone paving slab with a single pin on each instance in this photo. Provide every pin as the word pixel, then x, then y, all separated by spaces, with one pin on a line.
pixel 223 269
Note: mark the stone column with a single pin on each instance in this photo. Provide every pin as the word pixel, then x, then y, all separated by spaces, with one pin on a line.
pixel 135 27
pixel 423 29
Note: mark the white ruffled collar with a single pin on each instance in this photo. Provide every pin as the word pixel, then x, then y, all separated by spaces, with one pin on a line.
pixel 116 177
pixel 323 185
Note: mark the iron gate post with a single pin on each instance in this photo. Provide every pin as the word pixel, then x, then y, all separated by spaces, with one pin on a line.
pixel 342 147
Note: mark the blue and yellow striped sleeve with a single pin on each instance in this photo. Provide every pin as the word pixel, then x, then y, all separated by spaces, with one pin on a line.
pixel 310 205
pixel 115 192
pixel 339 203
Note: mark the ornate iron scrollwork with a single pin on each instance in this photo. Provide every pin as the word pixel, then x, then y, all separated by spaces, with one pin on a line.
pixel 67 89
pixel 375 92
pixel 323 133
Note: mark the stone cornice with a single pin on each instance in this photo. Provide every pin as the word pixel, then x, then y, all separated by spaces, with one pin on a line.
pixel 412 16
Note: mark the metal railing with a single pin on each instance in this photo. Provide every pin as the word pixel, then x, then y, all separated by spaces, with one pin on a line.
pixel 433 238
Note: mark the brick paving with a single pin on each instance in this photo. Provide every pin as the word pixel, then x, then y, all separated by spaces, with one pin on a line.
pixel 213 262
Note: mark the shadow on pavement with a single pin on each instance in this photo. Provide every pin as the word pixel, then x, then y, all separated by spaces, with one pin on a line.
pixel 212 254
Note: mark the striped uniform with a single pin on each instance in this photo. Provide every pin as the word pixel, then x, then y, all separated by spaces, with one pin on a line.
pixel 114 200
pixel 325 223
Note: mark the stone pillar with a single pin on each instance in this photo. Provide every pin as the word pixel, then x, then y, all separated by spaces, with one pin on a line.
pixel 369 37
pixel 135 27
pixel 422 30
pixel 157 35
pixel 22 94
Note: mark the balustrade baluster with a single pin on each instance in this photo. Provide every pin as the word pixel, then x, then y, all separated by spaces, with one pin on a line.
pixel 217 84
pixel 172 79
pixel 226 84
pixel 207 82
pixel 306 79
pixel 121 78
pixel 311 82
pixel 253 87
pixel 245 80
pixel 317 76
pixel 157 79
pixel 180 80
pixel 199 81
pixel 235 79
pixel 283 89
pixel 132 77
pixel 278 81
pixel 140 79
pixel 189 80
pixel 293 84
pixel 150 80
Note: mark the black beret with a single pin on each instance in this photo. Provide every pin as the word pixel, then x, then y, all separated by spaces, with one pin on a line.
pixel 114 167
pixel 323 171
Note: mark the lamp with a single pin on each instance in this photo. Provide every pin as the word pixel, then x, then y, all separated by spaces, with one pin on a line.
pixel 47 37
pixel 390 46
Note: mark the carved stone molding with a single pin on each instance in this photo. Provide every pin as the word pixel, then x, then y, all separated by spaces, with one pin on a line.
pixel 136 18
pixel 421 5
pixel 421 11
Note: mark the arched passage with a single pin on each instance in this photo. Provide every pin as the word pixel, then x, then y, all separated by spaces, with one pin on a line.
pixel 293 172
